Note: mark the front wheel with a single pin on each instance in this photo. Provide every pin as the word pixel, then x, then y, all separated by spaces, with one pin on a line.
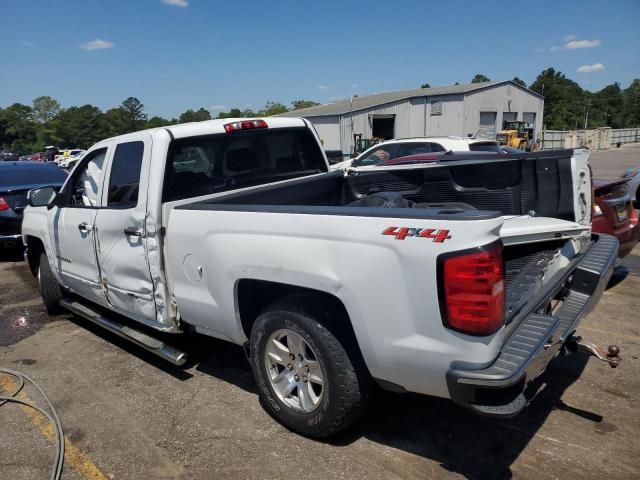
pixel 49 287
pixel 306 379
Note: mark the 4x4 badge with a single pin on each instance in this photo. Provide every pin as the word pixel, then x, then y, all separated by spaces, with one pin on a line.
pixel 438 236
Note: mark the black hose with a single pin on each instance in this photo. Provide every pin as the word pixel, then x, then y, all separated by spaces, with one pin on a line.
pixel 52 417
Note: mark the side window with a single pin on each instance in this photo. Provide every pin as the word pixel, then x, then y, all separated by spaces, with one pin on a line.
pixel 124 180
pixel 376 157
pixel 436 147
pixel 83 191
pixel 406 149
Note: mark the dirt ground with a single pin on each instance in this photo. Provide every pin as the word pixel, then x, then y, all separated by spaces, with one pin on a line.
pixel 128 415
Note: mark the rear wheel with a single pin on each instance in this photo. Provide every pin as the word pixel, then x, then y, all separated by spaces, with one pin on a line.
pixel 306 379
pixel 49 287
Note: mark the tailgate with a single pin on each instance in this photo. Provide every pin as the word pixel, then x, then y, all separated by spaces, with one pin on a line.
pixel 538 336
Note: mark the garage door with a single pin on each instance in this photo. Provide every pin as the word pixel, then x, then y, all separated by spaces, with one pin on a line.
pixel 487 127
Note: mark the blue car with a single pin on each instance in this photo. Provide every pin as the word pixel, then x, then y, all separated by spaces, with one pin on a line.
pixel 16 179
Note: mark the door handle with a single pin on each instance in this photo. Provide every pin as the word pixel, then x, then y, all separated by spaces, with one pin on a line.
pixel 84 227
pixel 133 232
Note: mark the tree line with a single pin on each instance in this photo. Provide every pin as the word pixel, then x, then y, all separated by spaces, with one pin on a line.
pixel 30 128
pixel 567 106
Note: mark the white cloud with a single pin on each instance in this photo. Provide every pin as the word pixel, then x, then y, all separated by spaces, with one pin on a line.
pixel 596 67
pixel 571 36
pixel 574 44
pixel 323 87
pixel 176 3
pixel 24 43
pixel 218 107
pixel 97 44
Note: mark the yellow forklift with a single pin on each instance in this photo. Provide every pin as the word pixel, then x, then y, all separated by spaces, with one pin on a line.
pixel 516 134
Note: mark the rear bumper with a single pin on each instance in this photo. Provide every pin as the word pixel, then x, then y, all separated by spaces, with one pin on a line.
pixel 498 389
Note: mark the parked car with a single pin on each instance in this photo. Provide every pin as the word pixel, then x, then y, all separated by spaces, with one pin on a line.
pixel 614 214
pixel 390 149
pixel 69 161
pixel 633 175
pixel 8 155
pixel 16 179
pixel 429 279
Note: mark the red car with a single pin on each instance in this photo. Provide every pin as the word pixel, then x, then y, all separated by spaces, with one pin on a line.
pixel 613 213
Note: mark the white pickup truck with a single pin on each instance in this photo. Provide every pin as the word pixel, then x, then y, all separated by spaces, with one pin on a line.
pixel 460 279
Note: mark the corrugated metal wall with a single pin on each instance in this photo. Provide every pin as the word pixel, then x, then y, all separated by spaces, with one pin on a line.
pixel 499 99
pixel 408 121
pixel 451 122
pixel 460 116
pixel 328 129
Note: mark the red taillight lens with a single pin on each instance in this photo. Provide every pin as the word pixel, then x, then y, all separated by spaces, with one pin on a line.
pixel 3 205
pixel 472 290
pixel 244 125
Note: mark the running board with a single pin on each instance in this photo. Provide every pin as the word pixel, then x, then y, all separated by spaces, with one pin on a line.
pixel 141 339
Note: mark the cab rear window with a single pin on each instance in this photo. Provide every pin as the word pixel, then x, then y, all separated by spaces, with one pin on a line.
pixel 199 166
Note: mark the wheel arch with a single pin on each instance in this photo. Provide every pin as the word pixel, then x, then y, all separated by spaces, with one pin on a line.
pixel 35 247
pixel 252 296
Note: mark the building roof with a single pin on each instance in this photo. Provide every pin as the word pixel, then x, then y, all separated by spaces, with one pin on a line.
pixel 368 101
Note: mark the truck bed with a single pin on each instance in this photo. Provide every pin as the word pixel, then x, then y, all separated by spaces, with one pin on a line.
pixel 504 185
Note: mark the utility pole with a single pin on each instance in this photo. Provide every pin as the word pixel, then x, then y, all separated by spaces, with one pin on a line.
pixel 587 104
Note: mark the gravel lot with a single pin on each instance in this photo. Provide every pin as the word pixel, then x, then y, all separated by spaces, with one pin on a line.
pixel 128 415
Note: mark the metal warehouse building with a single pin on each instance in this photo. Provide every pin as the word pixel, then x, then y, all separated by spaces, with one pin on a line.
pixel 474 109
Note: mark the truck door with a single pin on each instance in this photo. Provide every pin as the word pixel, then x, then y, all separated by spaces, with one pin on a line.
pixel 121 236
pixel 71 226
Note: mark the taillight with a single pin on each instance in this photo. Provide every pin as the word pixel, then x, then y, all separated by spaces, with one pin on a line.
pixel 3 205
pixel 245 125
pixel 471 283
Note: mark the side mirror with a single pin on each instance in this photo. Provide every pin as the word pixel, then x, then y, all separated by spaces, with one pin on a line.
pixel 40 197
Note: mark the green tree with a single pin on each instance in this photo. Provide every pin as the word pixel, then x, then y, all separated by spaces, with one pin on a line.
pixel 520 82
pixel 134 114
pixel 17 129
pixel 78 126
pixel 479 78
pixel 156 122
pixel 298 104
pixel 272 108
pixel 564 100
pixel 631 109
pixel 607 107
pixel 233 113
pixel 45 109
pixel 114 121
pixel 197 116
pixel 425 85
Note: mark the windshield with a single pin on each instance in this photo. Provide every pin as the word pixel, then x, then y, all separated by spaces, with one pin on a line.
pixel 30 175
pixel 214 163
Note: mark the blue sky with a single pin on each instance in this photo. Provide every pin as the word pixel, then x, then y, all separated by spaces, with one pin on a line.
pixel 180 54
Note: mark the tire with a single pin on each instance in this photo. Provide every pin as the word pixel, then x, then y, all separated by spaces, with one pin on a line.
pixel 313 408
pixel 49 287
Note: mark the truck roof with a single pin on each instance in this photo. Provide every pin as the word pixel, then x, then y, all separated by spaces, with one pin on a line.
pixel 208 127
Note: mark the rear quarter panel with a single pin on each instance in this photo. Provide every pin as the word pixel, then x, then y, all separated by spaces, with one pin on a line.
pixel 388 286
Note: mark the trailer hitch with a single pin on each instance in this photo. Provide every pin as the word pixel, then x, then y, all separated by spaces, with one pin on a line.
pixel 611 356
